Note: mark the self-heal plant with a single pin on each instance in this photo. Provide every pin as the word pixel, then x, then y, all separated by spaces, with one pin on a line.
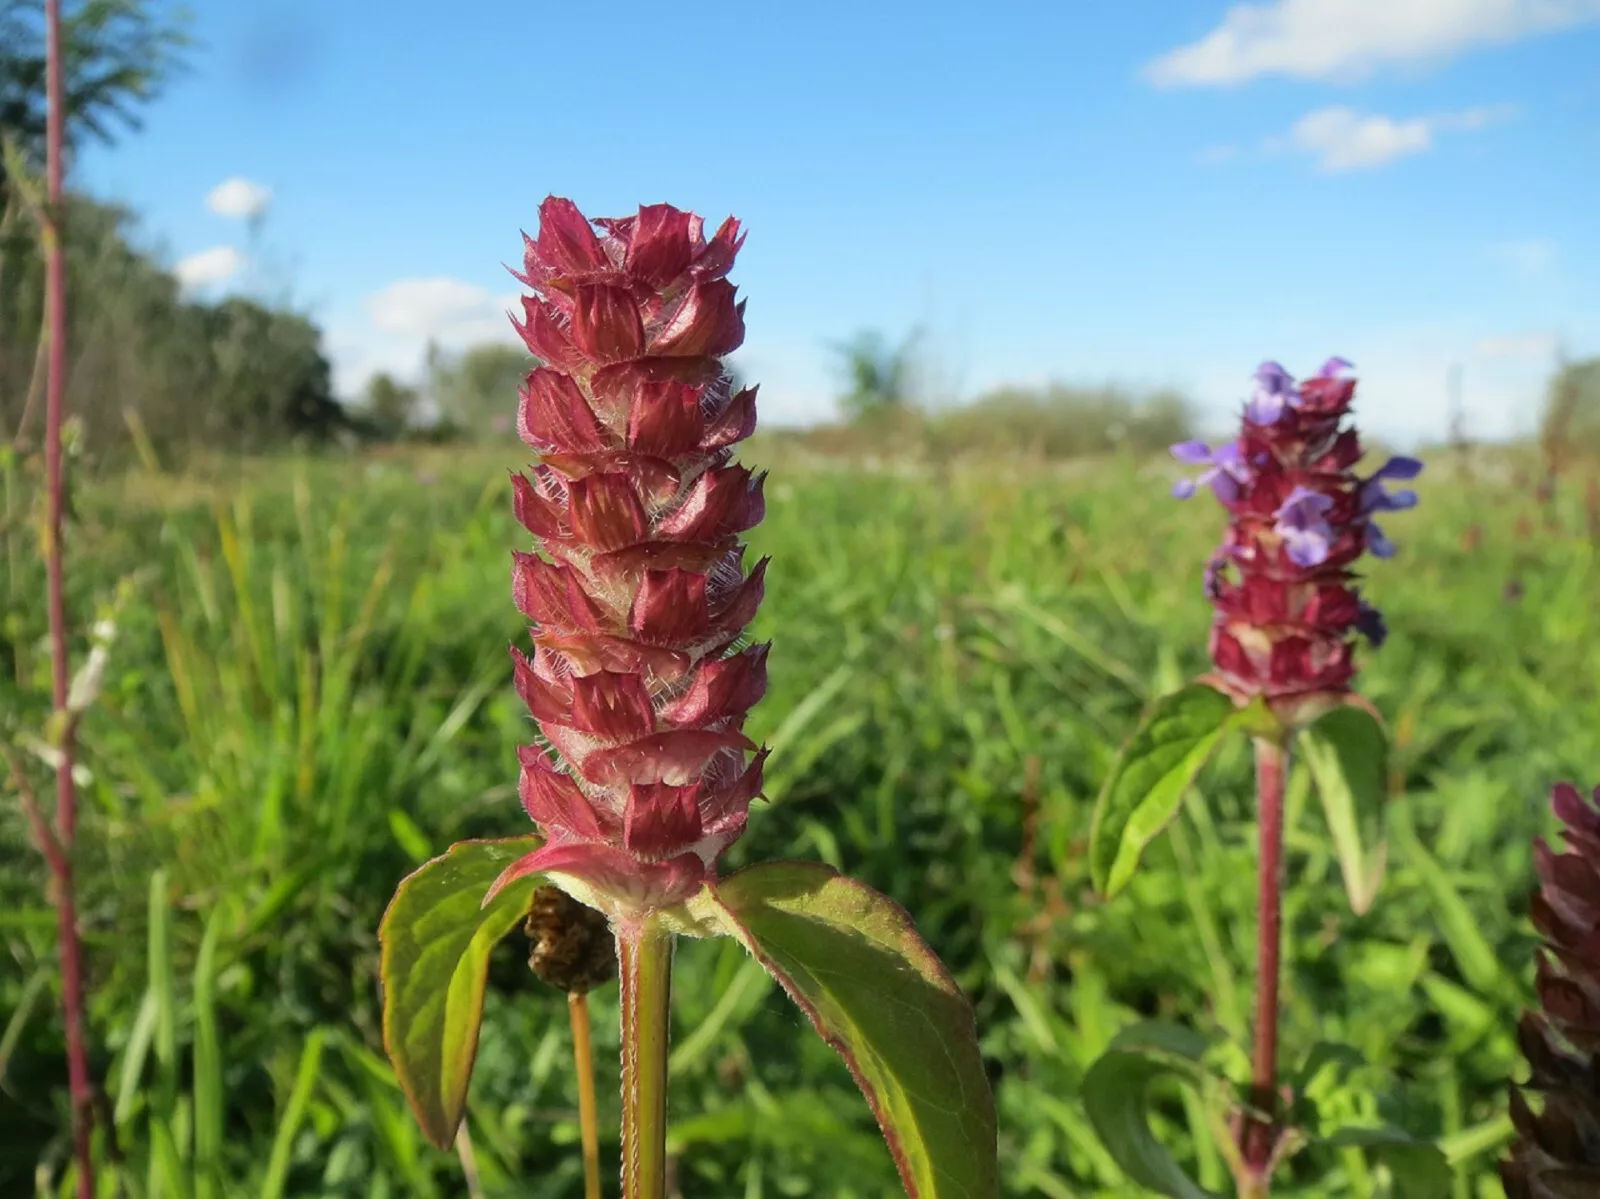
pixel 1557 1150
pixel 639 682
pixel 1288 611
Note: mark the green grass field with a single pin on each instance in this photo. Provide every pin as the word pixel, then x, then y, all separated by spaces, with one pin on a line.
pixel 309 693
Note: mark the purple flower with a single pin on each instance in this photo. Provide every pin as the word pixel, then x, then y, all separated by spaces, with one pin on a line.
pixel 1274 389
pixel 1303 524
pixel 1376 498
pixel 1227 469
pixel 1378 545
pixel 1335 368
pixel 1370 624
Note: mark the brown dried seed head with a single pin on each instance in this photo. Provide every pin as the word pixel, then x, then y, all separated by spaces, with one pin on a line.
pixel 573 949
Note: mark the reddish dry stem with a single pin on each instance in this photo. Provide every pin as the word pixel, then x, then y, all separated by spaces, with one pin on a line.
pixel 66 796
pixel 1257 1137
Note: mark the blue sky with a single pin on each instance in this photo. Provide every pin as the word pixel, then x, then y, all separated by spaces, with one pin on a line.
pixel 1152 194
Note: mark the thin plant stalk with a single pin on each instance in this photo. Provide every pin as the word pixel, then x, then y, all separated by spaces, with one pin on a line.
pixel 588 1124
pixel 469 1162
pixel 66 796
pixel 644 957
pixel 1258 1137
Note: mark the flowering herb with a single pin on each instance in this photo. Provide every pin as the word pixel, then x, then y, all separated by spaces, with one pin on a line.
pixel 1288 608
pixel 1299 516
pixel 639 683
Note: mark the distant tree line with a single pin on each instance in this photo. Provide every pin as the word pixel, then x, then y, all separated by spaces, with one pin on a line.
pixel 883 401
pixel 235 375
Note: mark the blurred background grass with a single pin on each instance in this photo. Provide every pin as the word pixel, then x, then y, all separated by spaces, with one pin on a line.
pixel 308 694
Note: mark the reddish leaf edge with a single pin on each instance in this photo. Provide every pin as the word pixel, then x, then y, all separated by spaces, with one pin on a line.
pixel 707 915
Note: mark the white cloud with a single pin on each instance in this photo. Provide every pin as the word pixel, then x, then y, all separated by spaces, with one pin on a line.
pixel 1342 139
pixel 399 320
pixel 1518 345
pixel 209 266
pixel 1347 39
pixel 1530 258
pixel 239 197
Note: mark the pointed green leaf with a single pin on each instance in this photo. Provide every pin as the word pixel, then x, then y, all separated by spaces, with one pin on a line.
pixel 1114 1099
pixel 1146 785
pixel 1347 754
pixel 853 961
pixel 1420 1169
pixel 435 942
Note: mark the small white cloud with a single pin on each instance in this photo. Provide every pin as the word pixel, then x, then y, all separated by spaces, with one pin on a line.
pixel 446 310
pixel 1348 39
pixel 239 197
pixel 1530 258
pixel 404 316
pixel 1342 139
pixel 1518 345
pixel 209 266
pixel 1345 140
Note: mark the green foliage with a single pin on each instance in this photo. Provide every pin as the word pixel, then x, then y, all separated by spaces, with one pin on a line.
pixel 1347 752
pixel 476 390
pixel 116 55
pixel 309 695
pixel 436 936
pixel 1058 421
pixel 878 377
pixel 236 375
pixel 393 405
pixel 1144 789
pixel 1115 1093
pixel 853 962
pixel 1571 420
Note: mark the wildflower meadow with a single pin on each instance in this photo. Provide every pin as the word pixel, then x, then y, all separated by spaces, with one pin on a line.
pixel 664 804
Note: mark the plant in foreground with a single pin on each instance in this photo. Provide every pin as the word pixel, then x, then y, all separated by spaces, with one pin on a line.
pixel 639 682
pixel 1557 1151
pixel 1288 608
pixel 57 840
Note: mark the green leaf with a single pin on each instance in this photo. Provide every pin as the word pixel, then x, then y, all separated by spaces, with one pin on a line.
pixel 435 942
pixel 1420 1169
pixel 294 1113
pixel 1146 785
pixel 854 963
pixel 1346 752
pixel 1114 1099
pixel 1462 931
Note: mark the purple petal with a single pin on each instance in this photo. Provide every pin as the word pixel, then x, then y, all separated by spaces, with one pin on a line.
pixel 1304 506
pixel 1183 489
pixel 1399 468
pixel 1377 544
pixel 1192 453
pixel 1370 624
pixel 1224 485
pixel 1334 367
pixel 1273 377
pixel 1305 547
pixel 1264 409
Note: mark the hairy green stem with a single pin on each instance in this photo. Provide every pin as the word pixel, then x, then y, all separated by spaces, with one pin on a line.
pixel 644 958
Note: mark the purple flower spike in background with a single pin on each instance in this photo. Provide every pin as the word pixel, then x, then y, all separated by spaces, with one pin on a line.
pixel 1283 584
pixel 1303 525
